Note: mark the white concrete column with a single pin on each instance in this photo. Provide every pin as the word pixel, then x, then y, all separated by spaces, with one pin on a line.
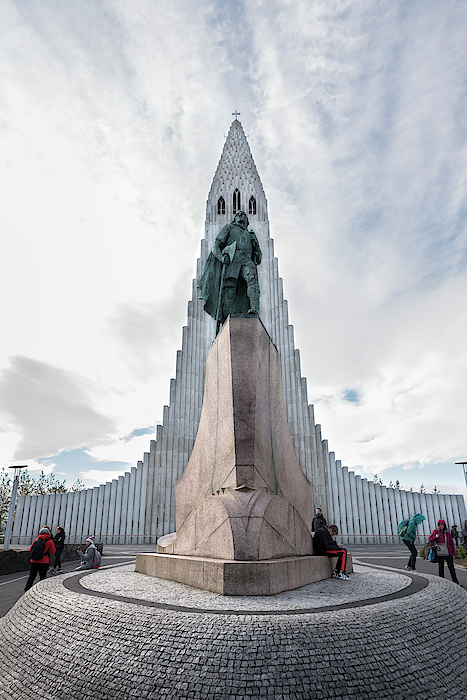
pixel 19 514
pixel 44 510
pixel 130 518
pixel 142 503
pixel 56 514
pixel 118 509
pixel 374 513
pixel 93 511
pixel 335 510
pixel 398 503
pixel 393 515
pixel 68 512
pixel 24 532
pixel 106 525
pixel 361 508
pixel 355 513
pixel 380 514
pixel 124 512
pixel 49 510
pixel 349 506
pixel 341 497
pixel 87 513
pixel 38 514
pixel 387 515
pixel 420 500
pixel 111 512
pixel 368 515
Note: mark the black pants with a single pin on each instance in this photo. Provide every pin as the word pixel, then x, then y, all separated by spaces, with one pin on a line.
pixel 58 563
pixel 450 563
pixel 35 569
pixel 413 554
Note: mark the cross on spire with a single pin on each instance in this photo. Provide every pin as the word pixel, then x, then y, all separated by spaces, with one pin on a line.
pixel 236 114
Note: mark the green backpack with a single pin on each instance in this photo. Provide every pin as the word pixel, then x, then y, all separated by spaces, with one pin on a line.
pixel 402 527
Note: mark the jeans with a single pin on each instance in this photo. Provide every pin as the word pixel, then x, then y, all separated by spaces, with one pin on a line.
pixel 58 563
pixel 413 554
pixel 450 562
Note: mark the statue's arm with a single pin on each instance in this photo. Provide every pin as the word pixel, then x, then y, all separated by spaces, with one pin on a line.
pixel 257 254
pixel 220 242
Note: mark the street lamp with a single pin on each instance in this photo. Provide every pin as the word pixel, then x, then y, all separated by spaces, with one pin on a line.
pixel 464 464
pixel 11 512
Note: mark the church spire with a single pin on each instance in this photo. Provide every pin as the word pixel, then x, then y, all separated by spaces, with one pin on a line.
pixel 236 184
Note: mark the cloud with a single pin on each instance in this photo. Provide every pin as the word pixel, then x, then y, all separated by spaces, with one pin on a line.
pixel 50 408
pixel 99 476
pixel 112 125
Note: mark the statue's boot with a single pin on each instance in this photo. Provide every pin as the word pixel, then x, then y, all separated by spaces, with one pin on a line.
pixel 230 293
pixel 253 297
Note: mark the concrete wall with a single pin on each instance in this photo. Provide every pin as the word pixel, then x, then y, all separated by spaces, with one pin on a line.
pixel 114 512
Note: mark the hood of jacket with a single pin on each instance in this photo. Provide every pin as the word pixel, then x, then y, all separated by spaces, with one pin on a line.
pixel 44 536
pixel 418 518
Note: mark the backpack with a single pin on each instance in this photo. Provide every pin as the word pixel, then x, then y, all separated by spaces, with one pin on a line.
pixel 96 562
pixel 38 549
pixel 402 527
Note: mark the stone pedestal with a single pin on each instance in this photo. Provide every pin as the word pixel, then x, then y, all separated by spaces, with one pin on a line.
pixel 267 577
pixel 243 496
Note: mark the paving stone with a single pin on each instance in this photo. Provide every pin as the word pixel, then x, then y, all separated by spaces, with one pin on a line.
pixel 384 650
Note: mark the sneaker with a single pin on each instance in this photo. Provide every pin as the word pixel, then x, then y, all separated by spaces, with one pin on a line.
pixel 335 574
pixel 409 568
pixel 60 571
pixel 342 576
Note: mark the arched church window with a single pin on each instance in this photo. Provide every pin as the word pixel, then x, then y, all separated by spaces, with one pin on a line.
pixel 252 205
pixel 236 201
pixel 221 205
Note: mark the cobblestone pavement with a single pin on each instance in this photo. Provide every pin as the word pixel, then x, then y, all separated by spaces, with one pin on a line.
pixel 365 583
pixel 58 644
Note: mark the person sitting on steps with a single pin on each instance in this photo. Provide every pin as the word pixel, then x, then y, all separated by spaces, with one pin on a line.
pixel 325 545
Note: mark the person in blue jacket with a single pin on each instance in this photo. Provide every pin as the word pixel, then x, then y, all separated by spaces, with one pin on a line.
pixel 409 537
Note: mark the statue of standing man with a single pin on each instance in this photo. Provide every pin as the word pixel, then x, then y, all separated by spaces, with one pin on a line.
pixel 229 284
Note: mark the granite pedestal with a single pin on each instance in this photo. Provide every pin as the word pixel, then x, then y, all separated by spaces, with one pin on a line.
pixel 243 504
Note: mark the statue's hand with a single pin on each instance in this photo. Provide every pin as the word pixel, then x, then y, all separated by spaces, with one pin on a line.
pixel 226 259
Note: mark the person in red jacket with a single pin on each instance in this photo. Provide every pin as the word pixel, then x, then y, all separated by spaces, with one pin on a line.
pixel 444 548
pixel 41 549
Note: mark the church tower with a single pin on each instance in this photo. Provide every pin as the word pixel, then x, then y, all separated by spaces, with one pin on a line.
pixel 236 186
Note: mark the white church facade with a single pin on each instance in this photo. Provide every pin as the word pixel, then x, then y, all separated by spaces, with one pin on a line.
pixel 139 507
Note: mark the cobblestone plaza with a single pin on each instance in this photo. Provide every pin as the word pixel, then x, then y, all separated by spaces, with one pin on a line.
pixel 115 634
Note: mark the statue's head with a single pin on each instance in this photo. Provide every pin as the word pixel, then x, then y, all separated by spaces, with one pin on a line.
pixel 241 218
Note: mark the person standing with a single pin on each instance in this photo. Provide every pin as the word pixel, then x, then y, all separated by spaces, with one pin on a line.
pixel 59 541
pixel 41 549
pixel 318 521
pixel 444 548
pixel 325 545
pixel 455 535
pixel 409 536
pixel 464 535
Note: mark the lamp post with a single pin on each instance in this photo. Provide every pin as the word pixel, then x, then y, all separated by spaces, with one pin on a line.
pixel 11 512
pixel 464 464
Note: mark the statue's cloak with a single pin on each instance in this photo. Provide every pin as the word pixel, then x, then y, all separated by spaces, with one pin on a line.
pixel 209 286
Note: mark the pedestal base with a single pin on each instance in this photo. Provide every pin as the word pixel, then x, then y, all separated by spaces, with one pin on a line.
pixel 266 577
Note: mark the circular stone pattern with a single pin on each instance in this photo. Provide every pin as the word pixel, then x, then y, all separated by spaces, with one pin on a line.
pixel 58 644
pixel 365 583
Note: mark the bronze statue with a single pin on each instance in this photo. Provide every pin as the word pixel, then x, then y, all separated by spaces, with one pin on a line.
pixel 229 284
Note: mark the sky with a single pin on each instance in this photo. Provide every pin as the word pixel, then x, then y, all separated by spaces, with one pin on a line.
pixel 113 115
